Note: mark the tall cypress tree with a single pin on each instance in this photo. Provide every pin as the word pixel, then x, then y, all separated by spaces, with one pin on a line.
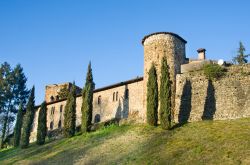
pixel 18 126
pixel 42 124
pixel 28 119
pixel 87 100
pixel 70 113
pixel 165 96
pixel 152 97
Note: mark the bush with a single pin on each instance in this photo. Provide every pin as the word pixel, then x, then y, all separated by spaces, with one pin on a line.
pixel 213 71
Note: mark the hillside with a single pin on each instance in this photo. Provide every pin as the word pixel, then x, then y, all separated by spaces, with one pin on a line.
pixel 208 142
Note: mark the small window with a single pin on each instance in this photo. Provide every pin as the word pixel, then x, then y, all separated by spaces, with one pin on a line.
pixel 97 118
pixel 57 97
pixel 52 99
pixel 60 124
pixel 52 110
pixel 51 125
pixel 61 108
pixel 99 100
pixel 116 96
pixel 126 93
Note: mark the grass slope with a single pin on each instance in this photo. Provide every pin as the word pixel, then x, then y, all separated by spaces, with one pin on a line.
pixel 208 142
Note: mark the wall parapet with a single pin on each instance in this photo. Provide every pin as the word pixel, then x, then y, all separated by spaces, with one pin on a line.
pixel 197 98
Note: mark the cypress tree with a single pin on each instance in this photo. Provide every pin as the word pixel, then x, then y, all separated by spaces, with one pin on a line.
pixel 165 96
pixel 42 126
pixel 152 97
pixel 70 113
pixel 18 126
pixel 87 100
pixel 28 119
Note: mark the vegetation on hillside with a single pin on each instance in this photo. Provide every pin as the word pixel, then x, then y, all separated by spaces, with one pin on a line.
pixel 13 91
pixel 165 96
pixel 207 142
pixel 70 114
pixel 152 97
pixel 28 119
pixel 87 101
pixel 42 124
pixel 18 126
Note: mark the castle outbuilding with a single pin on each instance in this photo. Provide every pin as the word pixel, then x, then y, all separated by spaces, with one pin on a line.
pixel 194 97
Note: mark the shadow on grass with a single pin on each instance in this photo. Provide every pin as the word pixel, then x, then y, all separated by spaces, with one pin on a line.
pixel 178 125
pixel 65 150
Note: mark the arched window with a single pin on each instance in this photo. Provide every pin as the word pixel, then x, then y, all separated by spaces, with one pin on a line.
pixel 57 97
pixel 99 100
pixel 51 125
pixel 60 124
pixel 97 118
pixel 52 99
pixel 126 93
pixel 61 108
pixel 116 96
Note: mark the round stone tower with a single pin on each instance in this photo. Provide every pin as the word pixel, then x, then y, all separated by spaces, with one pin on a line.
pixel 156 46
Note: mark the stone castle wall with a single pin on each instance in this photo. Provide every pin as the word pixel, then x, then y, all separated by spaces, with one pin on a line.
pixel 111 106
pixel 107 109
pixel 199 99
pixel 194 98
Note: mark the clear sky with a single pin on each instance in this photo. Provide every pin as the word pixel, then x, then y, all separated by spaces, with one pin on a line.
pixel 55 39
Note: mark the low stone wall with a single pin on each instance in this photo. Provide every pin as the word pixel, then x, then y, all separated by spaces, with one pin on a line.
pixel 199 99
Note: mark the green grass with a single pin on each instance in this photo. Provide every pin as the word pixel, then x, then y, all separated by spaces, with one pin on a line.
pixel 208 142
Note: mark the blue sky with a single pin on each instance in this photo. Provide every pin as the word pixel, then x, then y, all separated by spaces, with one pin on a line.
pixel 55 39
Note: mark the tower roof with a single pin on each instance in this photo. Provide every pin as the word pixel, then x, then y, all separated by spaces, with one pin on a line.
pixel 170 33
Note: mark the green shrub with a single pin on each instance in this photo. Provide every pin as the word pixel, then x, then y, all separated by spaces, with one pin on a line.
pixel 213 71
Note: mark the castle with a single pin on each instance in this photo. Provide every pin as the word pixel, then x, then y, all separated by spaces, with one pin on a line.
pixel 194 98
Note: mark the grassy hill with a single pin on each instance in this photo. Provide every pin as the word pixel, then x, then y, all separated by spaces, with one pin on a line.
pixel 208 142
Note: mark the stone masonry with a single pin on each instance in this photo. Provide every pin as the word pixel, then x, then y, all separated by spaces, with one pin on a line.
pixel 199 99
pixel 156 46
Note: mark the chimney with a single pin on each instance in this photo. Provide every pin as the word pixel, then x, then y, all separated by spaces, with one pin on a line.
pixel 201 54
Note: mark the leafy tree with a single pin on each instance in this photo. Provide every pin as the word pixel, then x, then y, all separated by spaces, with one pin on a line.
pixel 13 91
pixel 42 124
pixel 70 113
pixel 18 127
pixel 87 100
pixel 64 92
pixel 241 57
pixel 152 97
pixel 165 96
pixel 28 119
